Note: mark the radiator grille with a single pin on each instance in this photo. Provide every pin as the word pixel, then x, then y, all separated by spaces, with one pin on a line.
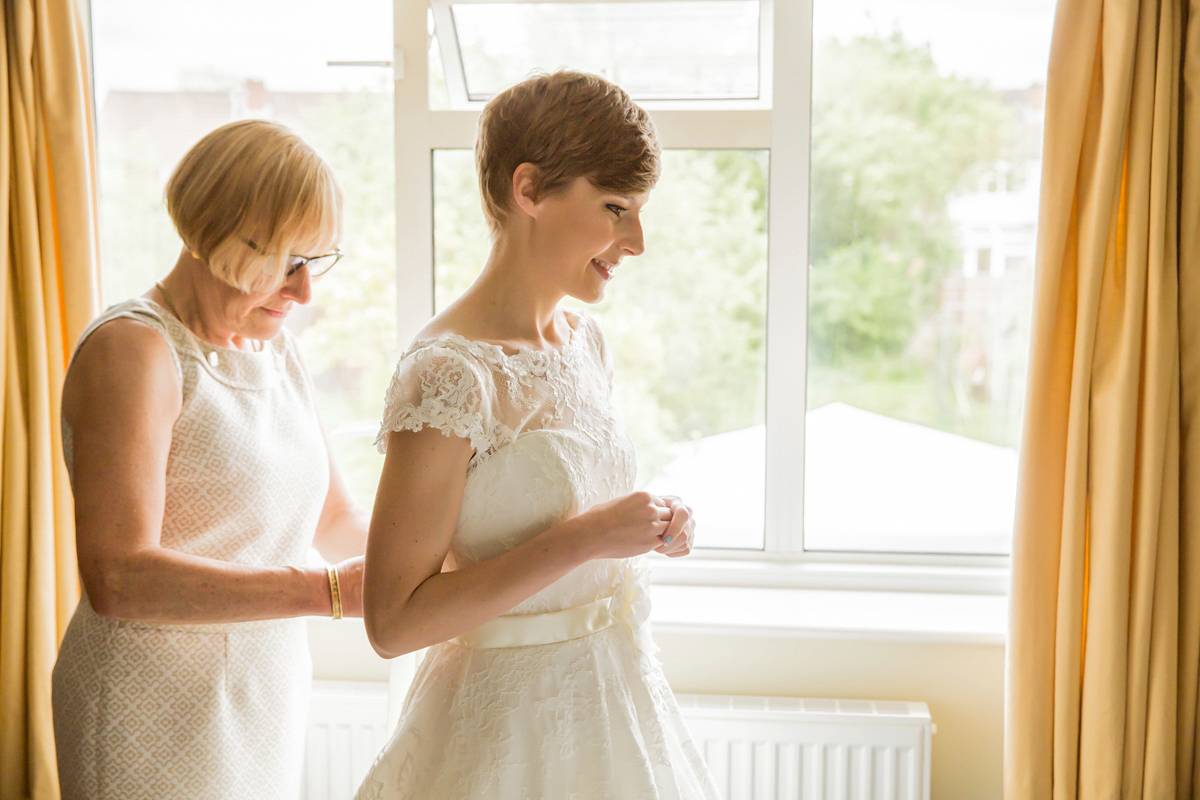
pixel 767 748
pixel 347 727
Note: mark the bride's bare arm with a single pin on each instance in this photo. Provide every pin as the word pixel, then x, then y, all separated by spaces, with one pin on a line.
pixel 409 603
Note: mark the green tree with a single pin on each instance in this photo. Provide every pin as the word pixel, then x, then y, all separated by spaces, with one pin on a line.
pixel 348 333
pixel 861 300
pixel 892 140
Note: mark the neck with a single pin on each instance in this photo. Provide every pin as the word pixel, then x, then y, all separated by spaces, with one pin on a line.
pixel 195 295
pixel 512 294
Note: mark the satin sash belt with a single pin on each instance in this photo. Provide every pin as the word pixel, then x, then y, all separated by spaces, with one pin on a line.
pixel 526 630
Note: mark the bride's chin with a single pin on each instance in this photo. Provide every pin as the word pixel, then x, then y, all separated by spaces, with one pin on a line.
pixel 590 293
pixel 590 297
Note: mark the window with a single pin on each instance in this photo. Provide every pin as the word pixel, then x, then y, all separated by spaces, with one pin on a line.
pixel 892 179
pixel 655 50
pixel 926 129
pixel 687 321
pixel 158 92
pixel 823 348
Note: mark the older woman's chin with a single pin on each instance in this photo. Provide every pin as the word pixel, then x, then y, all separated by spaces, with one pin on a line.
pixel 262 326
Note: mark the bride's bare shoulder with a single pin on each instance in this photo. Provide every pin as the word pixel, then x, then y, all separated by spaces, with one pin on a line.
pixel 454 320
pixel 461 319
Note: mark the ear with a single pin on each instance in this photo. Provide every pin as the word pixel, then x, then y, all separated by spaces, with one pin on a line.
pixel 526 188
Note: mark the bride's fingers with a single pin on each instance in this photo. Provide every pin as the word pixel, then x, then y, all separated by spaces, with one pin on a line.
pixel 674 537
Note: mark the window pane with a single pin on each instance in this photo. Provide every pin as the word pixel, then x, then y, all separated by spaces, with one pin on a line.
pixel 685 321
pixel 706 49
pixel 926 133
pixel 150 115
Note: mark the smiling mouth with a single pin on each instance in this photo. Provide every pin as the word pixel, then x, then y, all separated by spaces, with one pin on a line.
pixel 275 313
pixel 605 269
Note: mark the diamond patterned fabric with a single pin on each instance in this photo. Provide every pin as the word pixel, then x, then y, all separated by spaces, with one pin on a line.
pixel 213 710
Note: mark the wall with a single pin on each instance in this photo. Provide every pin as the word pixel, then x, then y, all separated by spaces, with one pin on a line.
pixel 963 684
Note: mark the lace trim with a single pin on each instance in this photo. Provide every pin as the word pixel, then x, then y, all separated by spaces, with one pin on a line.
pixel 453 397
pixel 524 360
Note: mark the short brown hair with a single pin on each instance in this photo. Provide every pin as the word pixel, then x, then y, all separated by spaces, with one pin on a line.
pixel 246 195
pixel 569 125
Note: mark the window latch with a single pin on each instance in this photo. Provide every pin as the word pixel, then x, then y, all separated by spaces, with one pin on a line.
pixel 397 64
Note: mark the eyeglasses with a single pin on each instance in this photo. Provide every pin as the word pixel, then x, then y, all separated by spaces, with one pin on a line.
pixel 317 265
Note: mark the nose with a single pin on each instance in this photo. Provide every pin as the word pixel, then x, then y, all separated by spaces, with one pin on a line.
pixel 298 287
pixel 633 242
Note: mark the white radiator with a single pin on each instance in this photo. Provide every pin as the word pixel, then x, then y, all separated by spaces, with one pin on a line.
pixel 777 748
pixel 759 748
pixel 347 727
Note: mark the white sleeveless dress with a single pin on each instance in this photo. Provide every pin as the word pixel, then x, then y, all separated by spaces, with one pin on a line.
pixel 147 711
pixel 586 718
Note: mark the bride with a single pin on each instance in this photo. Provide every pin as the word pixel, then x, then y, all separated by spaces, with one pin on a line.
pixel 506 535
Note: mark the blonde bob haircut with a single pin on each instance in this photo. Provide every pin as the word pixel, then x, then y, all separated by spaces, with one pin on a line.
pixel 249 194
pixel 569 125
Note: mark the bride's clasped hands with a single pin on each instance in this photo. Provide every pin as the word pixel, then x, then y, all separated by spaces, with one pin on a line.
pixel 639 523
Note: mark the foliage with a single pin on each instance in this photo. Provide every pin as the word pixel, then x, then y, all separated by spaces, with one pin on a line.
pixel 349 338
pixel 892 139
pixel 861 301
pixel 348 332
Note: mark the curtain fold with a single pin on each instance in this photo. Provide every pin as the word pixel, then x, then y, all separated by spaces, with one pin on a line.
pixel 1187 763
pixel 1104 645
pixel 48 292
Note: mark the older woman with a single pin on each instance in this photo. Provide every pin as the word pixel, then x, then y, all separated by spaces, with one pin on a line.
pixel 201 478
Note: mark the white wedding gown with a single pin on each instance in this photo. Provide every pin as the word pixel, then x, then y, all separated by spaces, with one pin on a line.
pixel 583 718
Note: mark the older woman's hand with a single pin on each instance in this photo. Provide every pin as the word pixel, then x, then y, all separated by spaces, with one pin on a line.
pixel 350 575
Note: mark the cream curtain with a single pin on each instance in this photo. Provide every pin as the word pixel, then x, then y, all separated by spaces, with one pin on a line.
pixel 1104 646
pixel 48 292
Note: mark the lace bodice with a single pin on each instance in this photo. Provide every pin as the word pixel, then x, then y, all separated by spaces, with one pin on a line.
pixel 548 444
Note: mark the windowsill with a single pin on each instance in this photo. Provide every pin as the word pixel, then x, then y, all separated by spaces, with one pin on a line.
pixel 710 595
pixel 949 575
pixel 830 614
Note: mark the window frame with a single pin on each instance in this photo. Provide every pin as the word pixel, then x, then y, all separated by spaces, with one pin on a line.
pixel 779 122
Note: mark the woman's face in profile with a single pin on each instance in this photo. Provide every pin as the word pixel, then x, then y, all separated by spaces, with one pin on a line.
pixel 588 231
pixel 261 315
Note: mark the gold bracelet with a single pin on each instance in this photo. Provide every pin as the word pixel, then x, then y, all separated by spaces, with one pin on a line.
pixel 335 593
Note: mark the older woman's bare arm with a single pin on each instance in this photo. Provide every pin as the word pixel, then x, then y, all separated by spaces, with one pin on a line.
pixel 121 399
pixel 341 538
pixel 342 528
pixel 409 603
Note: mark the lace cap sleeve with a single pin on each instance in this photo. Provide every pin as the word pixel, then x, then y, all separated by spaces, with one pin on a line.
pixel 436 386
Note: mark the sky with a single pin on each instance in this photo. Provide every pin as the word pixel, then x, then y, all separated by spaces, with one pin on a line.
pixel 1006 43
pixel 164 45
